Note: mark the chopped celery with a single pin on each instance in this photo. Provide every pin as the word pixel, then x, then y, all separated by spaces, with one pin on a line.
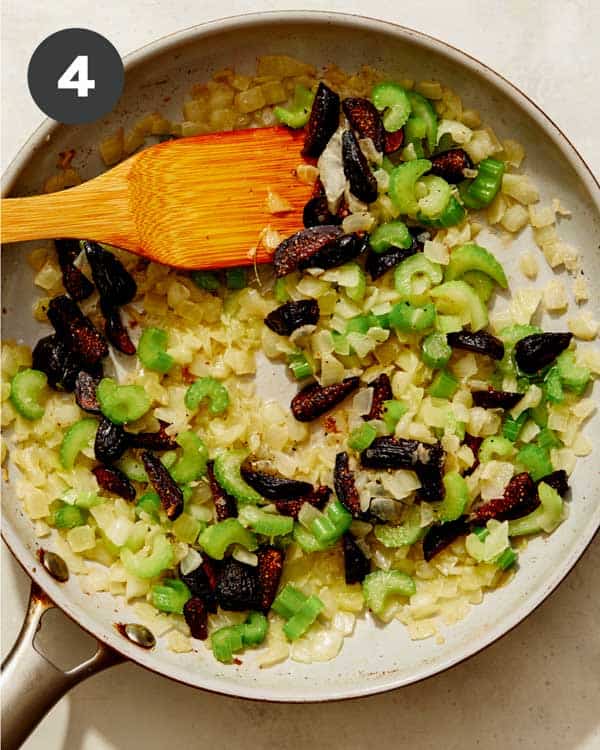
pixel 68 517
pixel 148 566
pixel 78 437
pixel 297 115
pixel 403 180
pixel 152 350
pixel 573 377
pixel 299 365
pixel 535 460
pixel 215 539
pixel 422 108
pixel 362 437
pixel 393 411
pixel 26 389
pixel 393 101
pixel 280 291
pixel 481 283
pixel 435 351
pixel 406 533
pixel 186 528
pixel 301 621
pixel 433 204
pixel 506 559
pixel 380 585
pixel 453 214
pixel 149 503
pixel 456 497
pixel 546 517
pixel 227 468
pixel 226 641
pixel 444 385
pixel 306 540
pixel 170 595
pixel 406 317
pixel 122 403
pixel 357 292
pixel 481 191
pixel 235 278
pixel 207 388
pixel 415 129
pixel 458 298
pixel 472 257
pixel 547 438
pixel 192 464
pixel 415 276
pixel 391 234
pixel 206 280
pixel 511 429
pixel 448 323
pixel 553 386
pixel 539 414
pixel 132 468
pixel 495 445
pixel 262 522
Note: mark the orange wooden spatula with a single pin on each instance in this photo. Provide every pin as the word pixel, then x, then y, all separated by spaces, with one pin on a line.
pixel 196 202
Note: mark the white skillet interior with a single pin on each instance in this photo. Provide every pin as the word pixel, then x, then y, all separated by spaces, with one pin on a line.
pixel 375 658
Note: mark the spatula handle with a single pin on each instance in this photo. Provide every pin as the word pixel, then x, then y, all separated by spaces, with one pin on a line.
pixel 93 210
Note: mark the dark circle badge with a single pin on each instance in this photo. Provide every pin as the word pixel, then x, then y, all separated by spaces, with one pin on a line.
pixel 75 76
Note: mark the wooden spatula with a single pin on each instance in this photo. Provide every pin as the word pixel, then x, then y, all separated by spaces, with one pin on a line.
pixel 196 202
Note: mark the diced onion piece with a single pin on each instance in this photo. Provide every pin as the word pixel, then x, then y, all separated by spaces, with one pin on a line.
pixel 584 327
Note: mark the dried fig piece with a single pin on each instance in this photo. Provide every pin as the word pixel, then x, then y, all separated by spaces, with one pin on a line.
pixel 111 441
pixel 558 480
pixel 195 614
pixel 85 392
pixel 430 471
pixel 479 342
pixel 77 331
pixel 323 121
pixel 440 535
pixel 225 504
pixel 345 487
pixel 357 170
pixel 285 319
pixel 365 120
pixel 345 248
pixel 115 284
pixel 202 582
pixel 153 441
pixel 171 496
pixel 382 391
pixel 315 400
pixel 74 281
pixel 114 329
pixel 451 164
pixel 379 263
pixel 520 497
pixel 237 587
pixel 474 444
pixel 52 356
pixel 539 350
pixel 274 486
pixel 113 480
pixel 356 565
pixel 301 246
pixel 270 567
pixel 316 211
pixel 317 498
pixel 388 452
pixel 492 399
pixel 393 141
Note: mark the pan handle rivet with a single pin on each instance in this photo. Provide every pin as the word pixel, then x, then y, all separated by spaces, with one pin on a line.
pixel 138 634
pixel 55 565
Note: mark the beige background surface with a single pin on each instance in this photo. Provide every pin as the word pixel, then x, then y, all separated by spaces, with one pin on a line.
pixel 539 687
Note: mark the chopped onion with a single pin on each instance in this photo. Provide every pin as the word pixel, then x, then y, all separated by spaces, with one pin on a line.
pixel 331 171
pixel 190 562
pixel 241 554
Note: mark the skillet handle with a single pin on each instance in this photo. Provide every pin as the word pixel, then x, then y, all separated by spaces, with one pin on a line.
pixel 30 684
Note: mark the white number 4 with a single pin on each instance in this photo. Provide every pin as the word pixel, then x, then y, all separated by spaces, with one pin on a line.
pixel 76 77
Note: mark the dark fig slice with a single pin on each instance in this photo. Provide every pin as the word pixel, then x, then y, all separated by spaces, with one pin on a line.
pixel 153 441
pixel 520 497
pixel 301 246
pixel 356 565
pixel 345 248
pixel 451 164
pixel 317 498
pixel 388 452
pixel 202 582
pixel 479 342
pixel 492 399
pixel 78 286
pixel 225 504
pixel 345 486
pixel 382 391
pixel 316 211
pixel 270 567
pixel 85 392
pixel 115 284
pixel 171 496
pixel 115 330
pixel 365 120
pixel 430 471
pixel 474 444
pixel 292 315
pixel 558 480
pixel 379 263
pixel 357 170
pixel 393 141
pixel 111 441
pixel 539 350
pixel 323 121
pixel 50 355
pixel 274 486
pixel 113 480
pixel 77 331
pixel 195 613
pixel 237 587
pixel 315 400
pixel 441 535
